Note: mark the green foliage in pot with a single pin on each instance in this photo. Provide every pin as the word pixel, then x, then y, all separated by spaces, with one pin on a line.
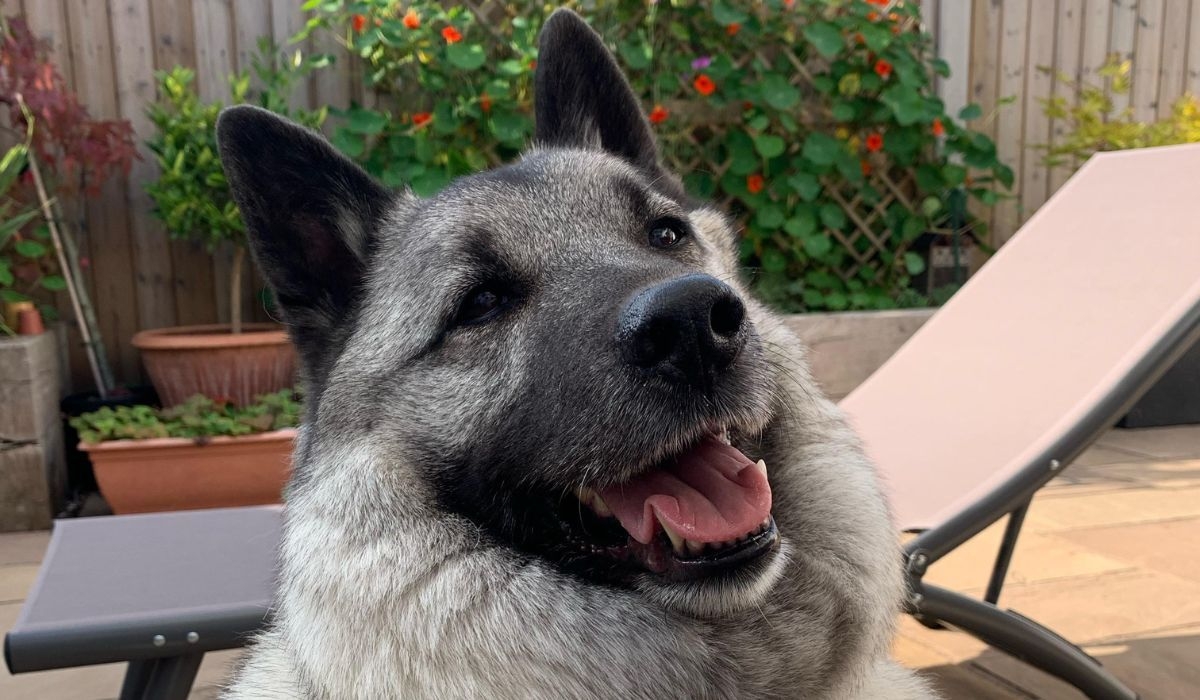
pixel 191 195
pixel 21 256
pixel 815 120
pixel 199 417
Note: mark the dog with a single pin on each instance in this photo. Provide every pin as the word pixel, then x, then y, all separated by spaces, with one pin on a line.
pixel 552 447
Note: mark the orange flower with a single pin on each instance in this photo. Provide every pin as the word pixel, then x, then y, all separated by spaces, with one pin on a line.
pixel 789 3
pixel 878 3
pixel 412 20
pixel 872 15
pixel 422 118
pixel 358 23
pixel 893 17
pixel 860 38
pixel 755 183
pixel 704 85
pixel 659 114
pixel 895 29
pixel 533 64
pixel 451 35
pixel 485 102
pixel 874 141
pixel 883 69
pixel 938 129
pixel 866 168
pixel 733 29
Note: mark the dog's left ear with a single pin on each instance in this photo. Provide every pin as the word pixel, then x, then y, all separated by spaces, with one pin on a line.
pixel 582 99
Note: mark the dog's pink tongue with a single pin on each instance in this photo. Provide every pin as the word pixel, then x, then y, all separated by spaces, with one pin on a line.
pixel 710 494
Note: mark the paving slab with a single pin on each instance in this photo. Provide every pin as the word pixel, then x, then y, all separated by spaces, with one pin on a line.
pixel 1171 547
pixel 23 547
pixel 1174 442
pixel 15 581
pixel 1121 507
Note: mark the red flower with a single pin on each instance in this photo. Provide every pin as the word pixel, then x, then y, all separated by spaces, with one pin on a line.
pixel 895 29
pixel 704 85
pixel 485 102
pixel 747 106
pixel 358 23
pixel 422 118
pixel 874 141
pixel 533 64
pixel 789 3
pixel 755 183
pixel 659 114
pixel 878 3
pixel 883 69
pixel 872 15
pixel 938 129
pixel 866 168
pixel 412 20
pixel 733 29
pixel 451 35
pixel 860 38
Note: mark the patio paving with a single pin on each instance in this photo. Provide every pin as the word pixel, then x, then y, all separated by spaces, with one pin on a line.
pixel 1108 558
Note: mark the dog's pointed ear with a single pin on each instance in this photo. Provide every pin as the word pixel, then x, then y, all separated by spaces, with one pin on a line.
pixel 582 99
pixel 310 218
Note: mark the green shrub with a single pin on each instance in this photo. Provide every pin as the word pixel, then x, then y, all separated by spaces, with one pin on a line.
pixel 815 120
pixel 198 417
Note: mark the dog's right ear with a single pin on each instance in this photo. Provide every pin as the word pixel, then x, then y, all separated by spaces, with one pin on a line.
pixel 310 217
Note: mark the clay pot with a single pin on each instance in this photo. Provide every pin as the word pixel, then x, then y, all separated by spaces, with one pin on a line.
pixel 142 476
pixel 187 360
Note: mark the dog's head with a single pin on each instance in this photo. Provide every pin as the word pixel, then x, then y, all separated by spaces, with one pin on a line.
pixel 559 347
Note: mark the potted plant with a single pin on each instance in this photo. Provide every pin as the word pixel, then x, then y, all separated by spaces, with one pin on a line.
pixel 235 361
pixel 199 454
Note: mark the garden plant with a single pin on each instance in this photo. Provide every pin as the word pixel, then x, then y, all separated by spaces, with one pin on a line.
pixel 815 121
pixel 199 417
pixel 190 195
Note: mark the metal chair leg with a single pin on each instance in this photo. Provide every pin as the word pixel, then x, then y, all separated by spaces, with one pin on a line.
pixel 168 678
pixel 1024 639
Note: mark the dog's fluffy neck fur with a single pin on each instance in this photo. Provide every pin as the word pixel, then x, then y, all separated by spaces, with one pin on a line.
pixel 355 618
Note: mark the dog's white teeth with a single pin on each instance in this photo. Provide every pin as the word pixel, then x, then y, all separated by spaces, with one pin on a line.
pixel 677 540
pixel 761 466
pixel 694 547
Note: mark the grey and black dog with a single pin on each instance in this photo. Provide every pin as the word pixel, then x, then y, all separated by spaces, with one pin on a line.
pixel 552 448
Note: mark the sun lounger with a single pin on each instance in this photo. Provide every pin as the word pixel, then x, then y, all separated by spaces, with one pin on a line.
pixel 1039 354
pixel 156 591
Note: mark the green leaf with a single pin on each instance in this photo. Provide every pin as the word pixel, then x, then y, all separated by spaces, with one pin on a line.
pixel 929 178
pixel 6 275
pixel 348 142
pixel 743 160
pixel 466 56
pixel 14 224
pixel 773 260
pixel 778 92
pixel 366 121
pixel 769 146
pixel 636 52
pixel 825 37
pixel 971 111
pixel 930 206
pixel 817 245
pixel 822 149
pixel 954 175
pixel 941 68
pixel 725 14
pixel 914 263
pixel 832 216
pixel 906 104
pixel 54 283
pixel 802 225
pixel 806 185
pixel 31 249
pixel 770 217
pixel 1004 174
pixel 844 111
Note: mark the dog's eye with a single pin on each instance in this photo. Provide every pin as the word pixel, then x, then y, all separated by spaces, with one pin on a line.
pixel 664 234
pixel 482 304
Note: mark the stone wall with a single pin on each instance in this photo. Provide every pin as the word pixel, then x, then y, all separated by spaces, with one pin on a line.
pixel 32 466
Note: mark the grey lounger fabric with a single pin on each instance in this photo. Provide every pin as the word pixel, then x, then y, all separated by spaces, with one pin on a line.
pixel 109 586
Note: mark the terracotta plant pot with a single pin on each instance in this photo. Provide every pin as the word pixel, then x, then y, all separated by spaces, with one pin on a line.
pixel 142 476
pixel 187 360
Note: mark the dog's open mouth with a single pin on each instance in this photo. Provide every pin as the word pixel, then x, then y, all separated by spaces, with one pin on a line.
pixel 695 515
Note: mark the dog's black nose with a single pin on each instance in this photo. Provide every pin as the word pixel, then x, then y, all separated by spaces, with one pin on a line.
pixel 685 329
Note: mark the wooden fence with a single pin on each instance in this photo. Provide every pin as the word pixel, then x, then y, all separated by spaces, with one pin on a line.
pixel 109 49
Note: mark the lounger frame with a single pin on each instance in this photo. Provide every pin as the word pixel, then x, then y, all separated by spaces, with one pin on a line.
pixel 1007 630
